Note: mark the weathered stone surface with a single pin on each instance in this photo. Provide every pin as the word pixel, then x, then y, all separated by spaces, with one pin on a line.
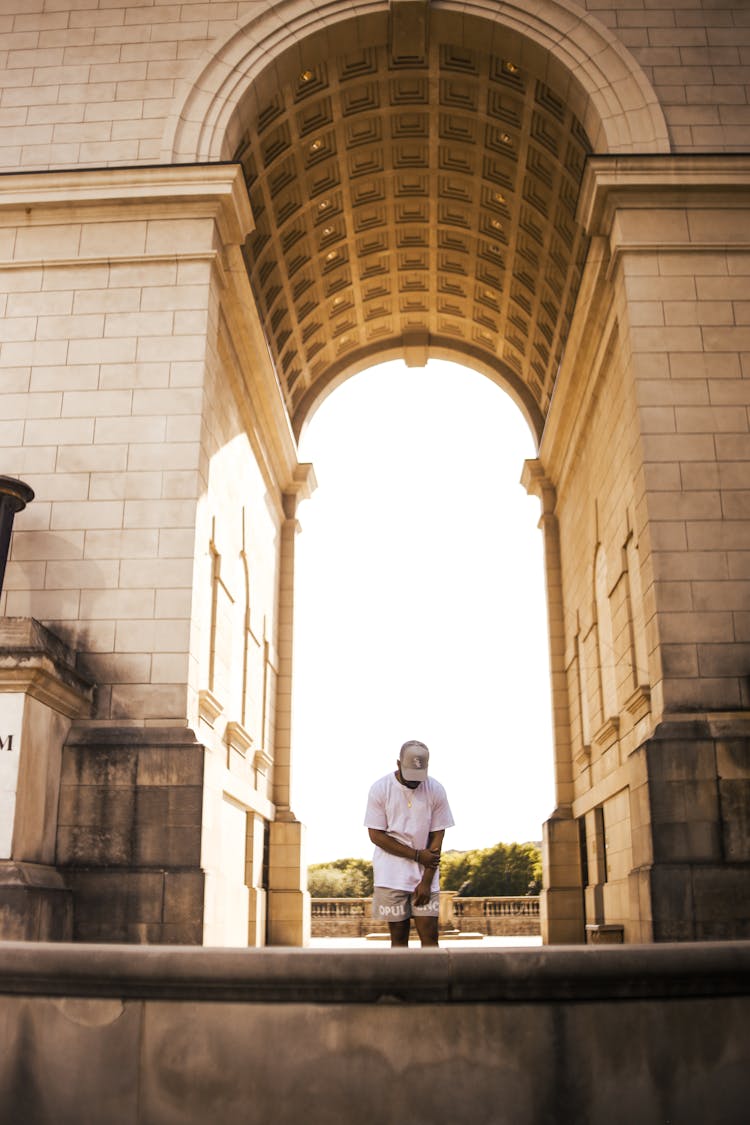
pixel 129 835
pixel 157 1036
pixel 672 903
pixel 722 901
pixel 57 1055
pixel 35 903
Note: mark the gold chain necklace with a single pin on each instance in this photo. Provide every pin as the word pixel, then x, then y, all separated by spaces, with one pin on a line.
pixel 407 794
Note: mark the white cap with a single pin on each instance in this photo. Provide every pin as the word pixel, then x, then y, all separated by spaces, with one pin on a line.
pixel 413 760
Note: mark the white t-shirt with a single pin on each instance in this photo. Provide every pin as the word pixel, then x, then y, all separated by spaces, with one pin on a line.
pixel 409 815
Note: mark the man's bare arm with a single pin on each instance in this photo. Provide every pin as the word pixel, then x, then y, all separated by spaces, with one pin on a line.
pixel 423 891
pixel 425 857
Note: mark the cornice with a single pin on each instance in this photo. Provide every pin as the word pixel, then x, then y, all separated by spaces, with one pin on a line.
pixel 37 663
pixel 612 183
pixel 196 190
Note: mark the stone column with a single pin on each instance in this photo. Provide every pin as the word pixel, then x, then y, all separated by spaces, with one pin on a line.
pixel 561 905
pixel 40 694
pixel 288 899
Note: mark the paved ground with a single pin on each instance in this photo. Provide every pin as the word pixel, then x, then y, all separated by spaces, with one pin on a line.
pixel 445 943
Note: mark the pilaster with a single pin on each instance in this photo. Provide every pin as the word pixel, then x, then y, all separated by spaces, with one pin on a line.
pixel 288 899
pixel 300 488
pixel 561 900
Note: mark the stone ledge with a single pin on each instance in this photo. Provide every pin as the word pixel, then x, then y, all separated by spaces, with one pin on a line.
pixel 35 661
pixel 21 873
pixel 126 736
pixel 705 725
pixel 215 190
pixel 677 970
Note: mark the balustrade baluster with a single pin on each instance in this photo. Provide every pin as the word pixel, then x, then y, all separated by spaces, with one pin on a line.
pixel 498 915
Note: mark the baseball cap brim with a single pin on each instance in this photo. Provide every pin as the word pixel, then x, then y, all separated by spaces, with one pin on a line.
pixel 412 774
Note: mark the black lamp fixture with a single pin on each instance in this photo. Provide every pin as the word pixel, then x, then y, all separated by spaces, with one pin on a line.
pixel 14 496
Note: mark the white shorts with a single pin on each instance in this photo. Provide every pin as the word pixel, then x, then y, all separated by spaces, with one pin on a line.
pixel 389 905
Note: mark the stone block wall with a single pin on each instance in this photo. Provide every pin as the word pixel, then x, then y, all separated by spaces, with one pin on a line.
pixel 645 447
pixel 101 85
pixel 688 336
pixel 605 661
pixel 695 54
pixel 694 858
pixel 690 361
pixel 129 835
pixel 106 359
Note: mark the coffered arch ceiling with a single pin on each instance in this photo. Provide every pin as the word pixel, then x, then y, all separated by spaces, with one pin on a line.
pixel 414 195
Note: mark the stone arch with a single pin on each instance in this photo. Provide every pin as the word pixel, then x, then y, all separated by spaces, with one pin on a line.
pixel 576 91
pixel 260 78
pixel 416 356
pixel 623 114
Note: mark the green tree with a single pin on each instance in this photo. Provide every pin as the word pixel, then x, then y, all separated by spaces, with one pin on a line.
pixel 505 869
pixel 340 878
pixel 456 868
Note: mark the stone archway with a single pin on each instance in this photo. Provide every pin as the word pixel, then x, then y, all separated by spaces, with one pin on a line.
pixel 341 140
pixel 338 184
pixel 414 176
pixel 617 105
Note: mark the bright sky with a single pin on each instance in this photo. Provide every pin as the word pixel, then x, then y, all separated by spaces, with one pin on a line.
pixel 420 608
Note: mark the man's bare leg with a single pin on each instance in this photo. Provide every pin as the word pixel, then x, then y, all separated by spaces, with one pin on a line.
pixel 427 929
pixel 399 934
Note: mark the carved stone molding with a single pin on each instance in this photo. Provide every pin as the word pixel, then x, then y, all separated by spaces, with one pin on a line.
pixel 209 707
pixel 262 760
pixel 34 662
pixel 639 703
pixel 608 733
pixel 238 737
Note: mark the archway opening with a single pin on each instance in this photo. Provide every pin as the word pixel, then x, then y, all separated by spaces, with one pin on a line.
pixel 414 177
pixel 420 608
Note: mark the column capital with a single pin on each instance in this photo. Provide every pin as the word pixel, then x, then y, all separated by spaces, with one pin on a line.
pixel 537 483
pixel 301 487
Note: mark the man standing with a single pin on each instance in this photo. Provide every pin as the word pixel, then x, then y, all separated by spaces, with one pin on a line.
pixel 407 815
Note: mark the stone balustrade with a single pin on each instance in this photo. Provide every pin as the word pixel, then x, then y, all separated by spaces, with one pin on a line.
pixel 498 916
